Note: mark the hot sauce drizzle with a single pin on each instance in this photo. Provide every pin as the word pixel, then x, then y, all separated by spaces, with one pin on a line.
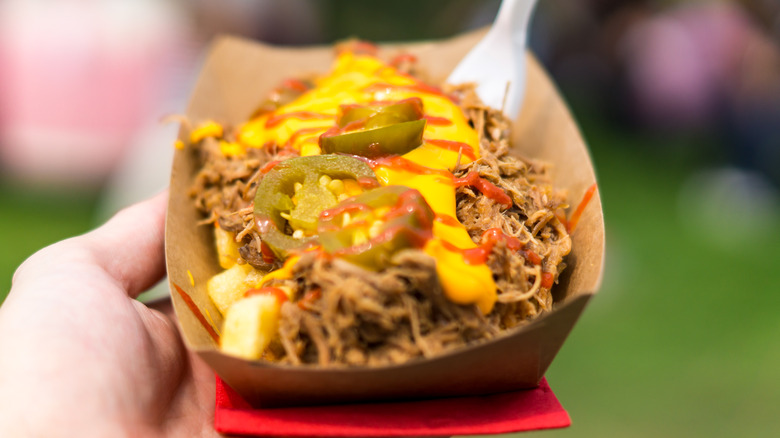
pixel 401 58
pixel 295 84
pixel 437 121
pixel 367 183
pixel 455 146
pixel 471 179
pixel 351 207
pixel 447 220
pixel 281 297
pixel 267 253
pixel 486 187
pixel 480 254
pixel 196 311
pixel 303 131
pixel 337 130
pixel 575 217
pixel 409 203
pixel 416 237
pixel 309 298
pixel 401 163
pixel 268 166
pixel 280 153
pixel 547 280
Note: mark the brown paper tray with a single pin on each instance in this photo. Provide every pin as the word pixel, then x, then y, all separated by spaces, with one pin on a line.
pixel 237 75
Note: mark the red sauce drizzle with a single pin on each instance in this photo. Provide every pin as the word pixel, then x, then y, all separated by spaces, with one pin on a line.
pixel 337 130
pixel 283 152
pixel 455 146
pixel 411 202
pixel 416 237
pixel 355 224
pixel 295 84
pixel 479 255
pixel 532 257
pixel 486 187
pixel 437 121
pixel 303 131
pixel 575 217
pixel 196 311
pixel 329 214
pixel 402 163
pixel 268 166
pixel 547 280
pixel 281 297
pixel 472 255
pixel 367 182
pixel 302 115
pixel 401 58
pixel 309 298
pixel 267 253
pixel 447 220
pixel 472 179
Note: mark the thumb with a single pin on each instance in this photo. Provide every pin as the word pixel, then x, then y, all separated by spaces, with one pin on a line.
pixel 130 246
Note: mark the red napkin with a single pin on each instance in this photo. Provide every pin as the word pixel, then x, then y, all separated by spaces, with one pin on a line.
pixel 518 411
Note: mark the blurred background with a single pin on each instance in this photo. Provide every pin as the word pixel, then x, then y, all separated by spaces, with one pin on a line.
pixel 679 102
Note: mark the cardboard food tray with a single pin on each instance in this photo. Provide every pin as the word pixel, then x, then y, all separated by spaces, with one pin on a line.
pixel 236 77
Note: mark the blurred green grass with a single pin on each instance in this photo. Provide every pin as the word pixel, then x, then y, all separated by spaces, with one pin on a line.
pixel 680 341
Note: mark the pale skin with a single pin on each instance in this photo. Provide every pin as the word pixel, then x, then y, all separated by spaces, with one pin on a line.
pixel 80 357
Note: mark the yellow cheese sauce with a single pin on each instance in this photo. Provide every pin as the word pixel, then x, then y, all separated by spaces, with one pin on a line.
pixel 448 139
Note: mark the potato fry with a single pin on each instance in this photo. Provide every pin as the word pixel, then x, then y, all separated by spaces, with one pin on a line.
pixel 227 247
pixel 229 286
pixel 250 325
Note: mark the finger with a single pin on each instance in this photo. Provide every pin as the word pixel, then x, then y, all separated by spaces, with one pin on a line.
pixel 130 246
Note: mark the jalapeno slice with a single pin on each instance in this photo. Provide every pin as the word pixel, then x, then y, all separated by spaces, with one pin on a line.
pixel 396 139
pixel 393 128
pixel 277 202
pixel 369 228
pixel 382 114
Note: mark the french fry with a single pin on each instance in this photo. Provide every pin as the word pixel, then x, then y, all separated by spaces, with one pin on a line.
pixel 229 286
pixel 250 325
pixel 227 248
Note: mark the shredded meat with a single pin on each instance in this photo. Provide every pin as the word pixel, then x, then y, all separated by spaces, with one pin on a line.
pixel 532 218
pixel 224 190
pixel 343 315
pixel 374 318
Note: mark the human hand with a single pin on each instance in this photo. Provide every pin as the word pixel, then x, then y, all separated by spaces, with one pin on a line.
pixel 80 356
